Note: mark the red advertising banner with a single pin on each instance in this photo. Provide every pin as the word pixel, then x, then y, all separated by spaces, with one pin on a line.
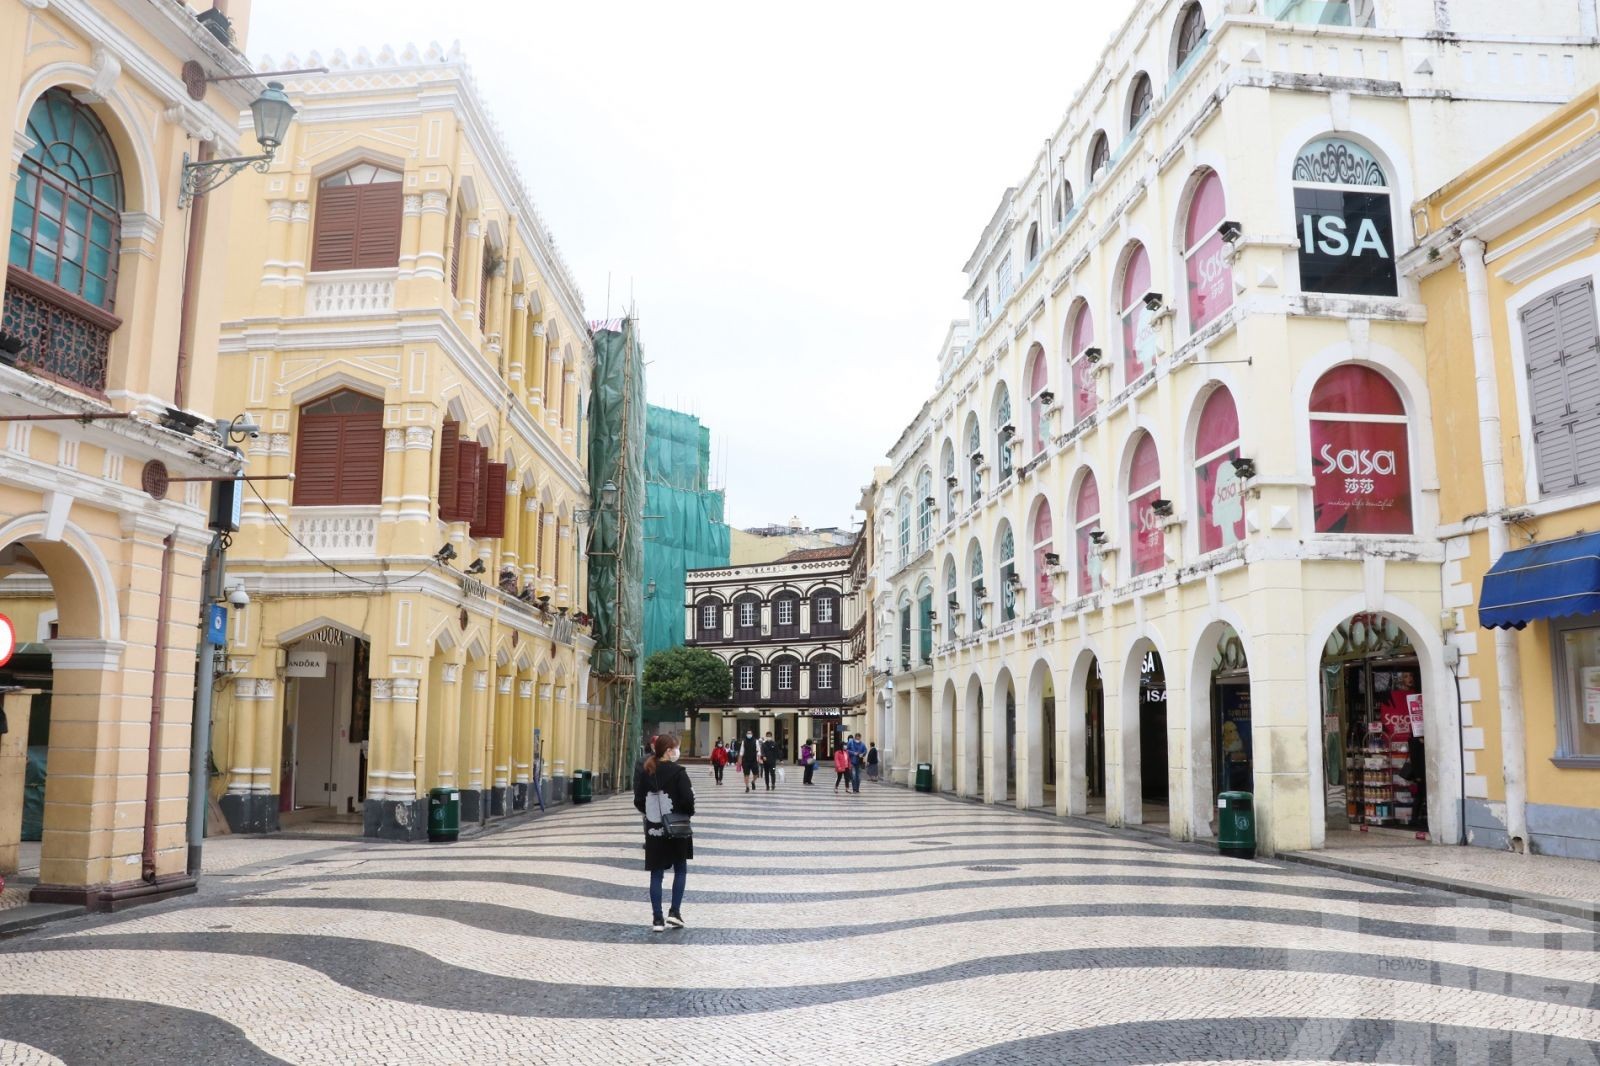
pixel 1363 477
pixel 1149 541
pixel 1220 493
pixel 1210 282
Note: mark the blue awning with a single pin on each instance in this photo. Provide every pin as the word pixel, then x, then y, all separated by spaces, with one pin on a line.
pixel 1551 580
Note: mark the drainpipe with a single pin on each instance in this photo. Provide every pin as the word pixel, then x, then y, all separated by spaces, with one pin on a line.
pixel 158 695
pixel 1507 657
pixel 198 209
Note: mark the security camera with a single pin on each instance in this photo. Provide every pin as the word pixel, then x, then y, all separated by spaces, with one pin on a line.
pixel 238 597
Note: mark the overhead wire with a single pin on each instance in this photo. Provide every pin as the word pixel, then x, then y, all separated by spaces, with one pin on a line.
pixel 382 583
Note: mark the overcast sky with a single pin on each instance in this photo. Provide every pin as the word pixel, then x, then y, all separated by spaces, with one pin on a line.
pixel 788 192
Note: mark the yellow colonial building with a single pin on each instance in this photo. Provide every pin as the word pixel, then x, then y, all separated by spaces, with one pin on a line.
pixel 404 330
pixel 1507 259
pixel 112 293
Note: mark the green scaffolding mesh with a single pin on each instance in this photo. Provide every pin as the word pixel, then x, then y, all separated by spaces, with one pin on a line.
pixel 616 537
pixel 684 527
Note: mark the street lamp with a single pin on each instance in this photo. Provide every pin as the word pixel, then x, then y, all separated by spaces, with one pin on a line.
pixel 608 495
pixel 271 112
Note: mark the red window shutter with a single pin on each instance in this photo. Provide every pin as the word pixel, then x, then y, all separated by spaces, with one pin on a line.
pixel 333 233
pixel 455 253
pixel 480 504
pixel 378 220
pixel 316 461
pixel 494 497
pixel 449 446
pixel 361 459
pixel 467 479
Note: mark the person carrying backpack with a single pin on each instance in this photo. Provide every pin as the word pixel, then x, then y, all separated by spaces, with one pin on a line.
pixel 841 766
pixel 663 794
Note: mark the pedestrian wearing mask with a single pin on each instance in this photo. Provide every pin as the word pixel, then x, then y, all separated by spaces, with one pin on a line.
pixel 750 760
pixel 719 759
pixel 841 767
pixel 858 756
pixel 808 759
pixel 872 761
pixel 663 794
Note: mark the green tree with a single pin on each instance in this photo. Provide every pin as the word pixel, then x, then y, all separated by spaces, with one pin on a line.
pixel 678 680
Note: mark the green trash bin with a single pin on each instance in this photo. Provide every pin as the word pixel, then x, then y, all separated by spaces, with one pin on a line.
pixel 924 777
pixel 1236 824
pixel 582 786
pixel 444 815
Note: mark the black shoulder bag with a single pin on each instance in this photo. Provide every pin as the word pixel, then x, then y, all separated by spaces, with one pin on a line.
pixel 677 825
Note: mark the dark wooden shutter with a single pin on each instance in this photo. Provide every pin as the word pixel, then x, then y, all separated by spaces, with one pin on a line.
pixel 467 481
pixel 378 220
pixel 449 446
pixel 1563 367
pixel 361 459
pixel 480 503
pixel 455 254
pixel 494 498
pixel 333 233
pixel 316 461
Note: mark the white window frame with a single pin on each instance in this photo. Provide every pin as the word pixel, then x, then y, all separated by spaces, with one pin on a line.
pixel 709 617
pixel 824 610
pixel 747 677
pixel 824 675
pixel 786 677
pixel 1568 694
pixel 786 612
pixel 747 614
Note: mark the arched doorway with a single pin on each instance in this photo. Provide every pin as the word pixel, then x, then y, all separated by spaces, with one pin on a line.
pixel 1232 739
pixel 1373 714
pixel 327 716
pixel 1094 739
pixel 1037 785
pixel 945 740
pixel 1153 739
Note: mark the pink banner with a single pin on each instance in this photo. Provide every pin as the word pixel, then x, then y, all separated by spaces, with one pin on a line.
pixel 1363 477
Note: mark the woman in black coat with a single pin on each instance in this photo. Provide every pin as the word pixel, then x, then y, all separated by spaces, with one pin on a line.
pixel 662 787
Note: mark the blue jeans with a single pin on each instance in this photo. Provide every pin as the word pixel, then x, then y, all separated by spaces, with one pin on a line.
pixel 855 778
pixel 680 874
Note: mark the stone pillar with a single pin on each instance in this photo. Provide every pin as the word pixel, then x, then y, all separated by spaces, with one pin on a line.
pixel 414 533
pixel 561 728
pixel 297 257
pixel 544 722
pixel 547 556
pixel 522 749
pixel 273 294
pixel 392 810
pixel 528 535
pixel 555 378
pixel 510 541
pixel 469 270
pixel 13 774
pixel 394 478
pixel 1124 805
pixel 517 349
pixel 426 286
pixel 569 408
pixel 500 797
pixel 534 368
pixel 250 803
pixel 450 713
pixel 474 722
pixel 564 566
pixel 410 241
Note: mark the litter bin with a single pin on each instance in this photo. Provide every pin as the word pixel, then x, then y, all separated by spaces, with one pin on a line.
pixel 924 777
pixel 582 786
pixel 1236 824
pixel 444 815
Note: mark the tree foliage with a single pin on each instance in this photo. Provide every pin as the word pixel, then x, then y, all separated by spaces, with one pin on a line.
pixel 679 680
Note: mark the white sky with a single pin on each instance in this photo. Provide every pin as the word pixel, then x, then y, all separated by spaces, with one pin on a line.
pixel 789 196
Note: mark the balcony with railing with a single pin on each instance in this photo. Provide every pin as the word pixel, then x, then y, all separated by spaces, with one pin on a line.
pixel 53 334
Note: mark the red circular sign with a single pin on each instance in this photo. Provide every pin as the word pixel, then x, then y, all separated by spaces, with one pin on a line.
pixel 8 639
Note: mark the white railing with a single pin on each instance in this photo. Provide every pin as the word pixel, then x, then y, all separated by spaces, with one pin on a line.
pixel 335 532
pixel 350 292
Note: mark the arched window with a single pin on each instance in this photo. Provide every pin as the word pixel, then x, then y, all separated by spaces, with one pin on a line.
pixel 905 630
pixel 1191 34
pixel 980 591
pixel 1140 100
pixel 905 528
pixel 339 451
pixel 1146 537
pixel 975 456
pixel 825 611
pixel 708 618
pixel 1360 453
pixel 66 218
pixel 1038 390
pixel 1004 430
pixel 1343 220
pixel 1218 490
pixel 952 599
pixel 1361 14
pixel 747 679
pixel 1205 254
pixel 786 614
pixel 357 223
pixel 1138 326
pixel 924 510
pixel 1080 368
pixel 925 620
pixel 1033 244
pixel 1086 523
pixel 1043 546
pixel 1064 203
pixel 747 617
pixel 785 679
pixel 947 463
pixel 825 679
pixel 1099 155
pixel 1010 585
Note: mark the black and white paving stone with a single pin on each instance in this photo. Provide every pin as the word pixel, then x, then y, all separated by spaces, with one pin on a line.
pixel 885 927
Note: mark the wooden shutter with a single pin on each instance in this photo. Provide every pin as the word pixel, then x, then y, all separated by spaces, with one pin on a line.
pixel 1563 367
pixel 333 233
pixel 494 499
pixel 449 447
pixel 361 459
pixel 378 218
pixel 455 254
pixel 467 480
pixel 316 461
pixel 480 503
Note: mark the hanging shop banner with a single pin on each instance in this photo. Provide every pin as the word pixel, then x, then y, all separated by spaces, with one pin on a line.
pixel 1220 492
pixel 1363 477
pixel 306 663
pixel 1210 282
pixel 1235 767
pixel 1346 242
pixel 1149 540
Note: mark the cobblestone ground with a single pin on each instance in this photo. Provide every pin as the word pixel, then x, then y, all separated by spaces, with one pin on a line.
pixel 887 927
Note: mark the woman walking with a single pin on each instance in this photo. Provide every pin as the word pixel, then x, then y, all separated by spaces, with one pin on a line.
pixel 872 761
pixel 662 793
pixel 808 759
pixel 841 766
pixel 719 759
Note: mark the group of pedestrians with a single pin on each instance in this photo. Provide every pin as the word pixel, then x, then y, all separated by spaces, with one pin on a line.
pixel 758 760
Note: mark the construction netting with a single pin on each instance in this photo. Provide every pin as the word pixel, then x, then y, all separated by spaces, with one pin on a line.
pixel 684 524
pixel 616 534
